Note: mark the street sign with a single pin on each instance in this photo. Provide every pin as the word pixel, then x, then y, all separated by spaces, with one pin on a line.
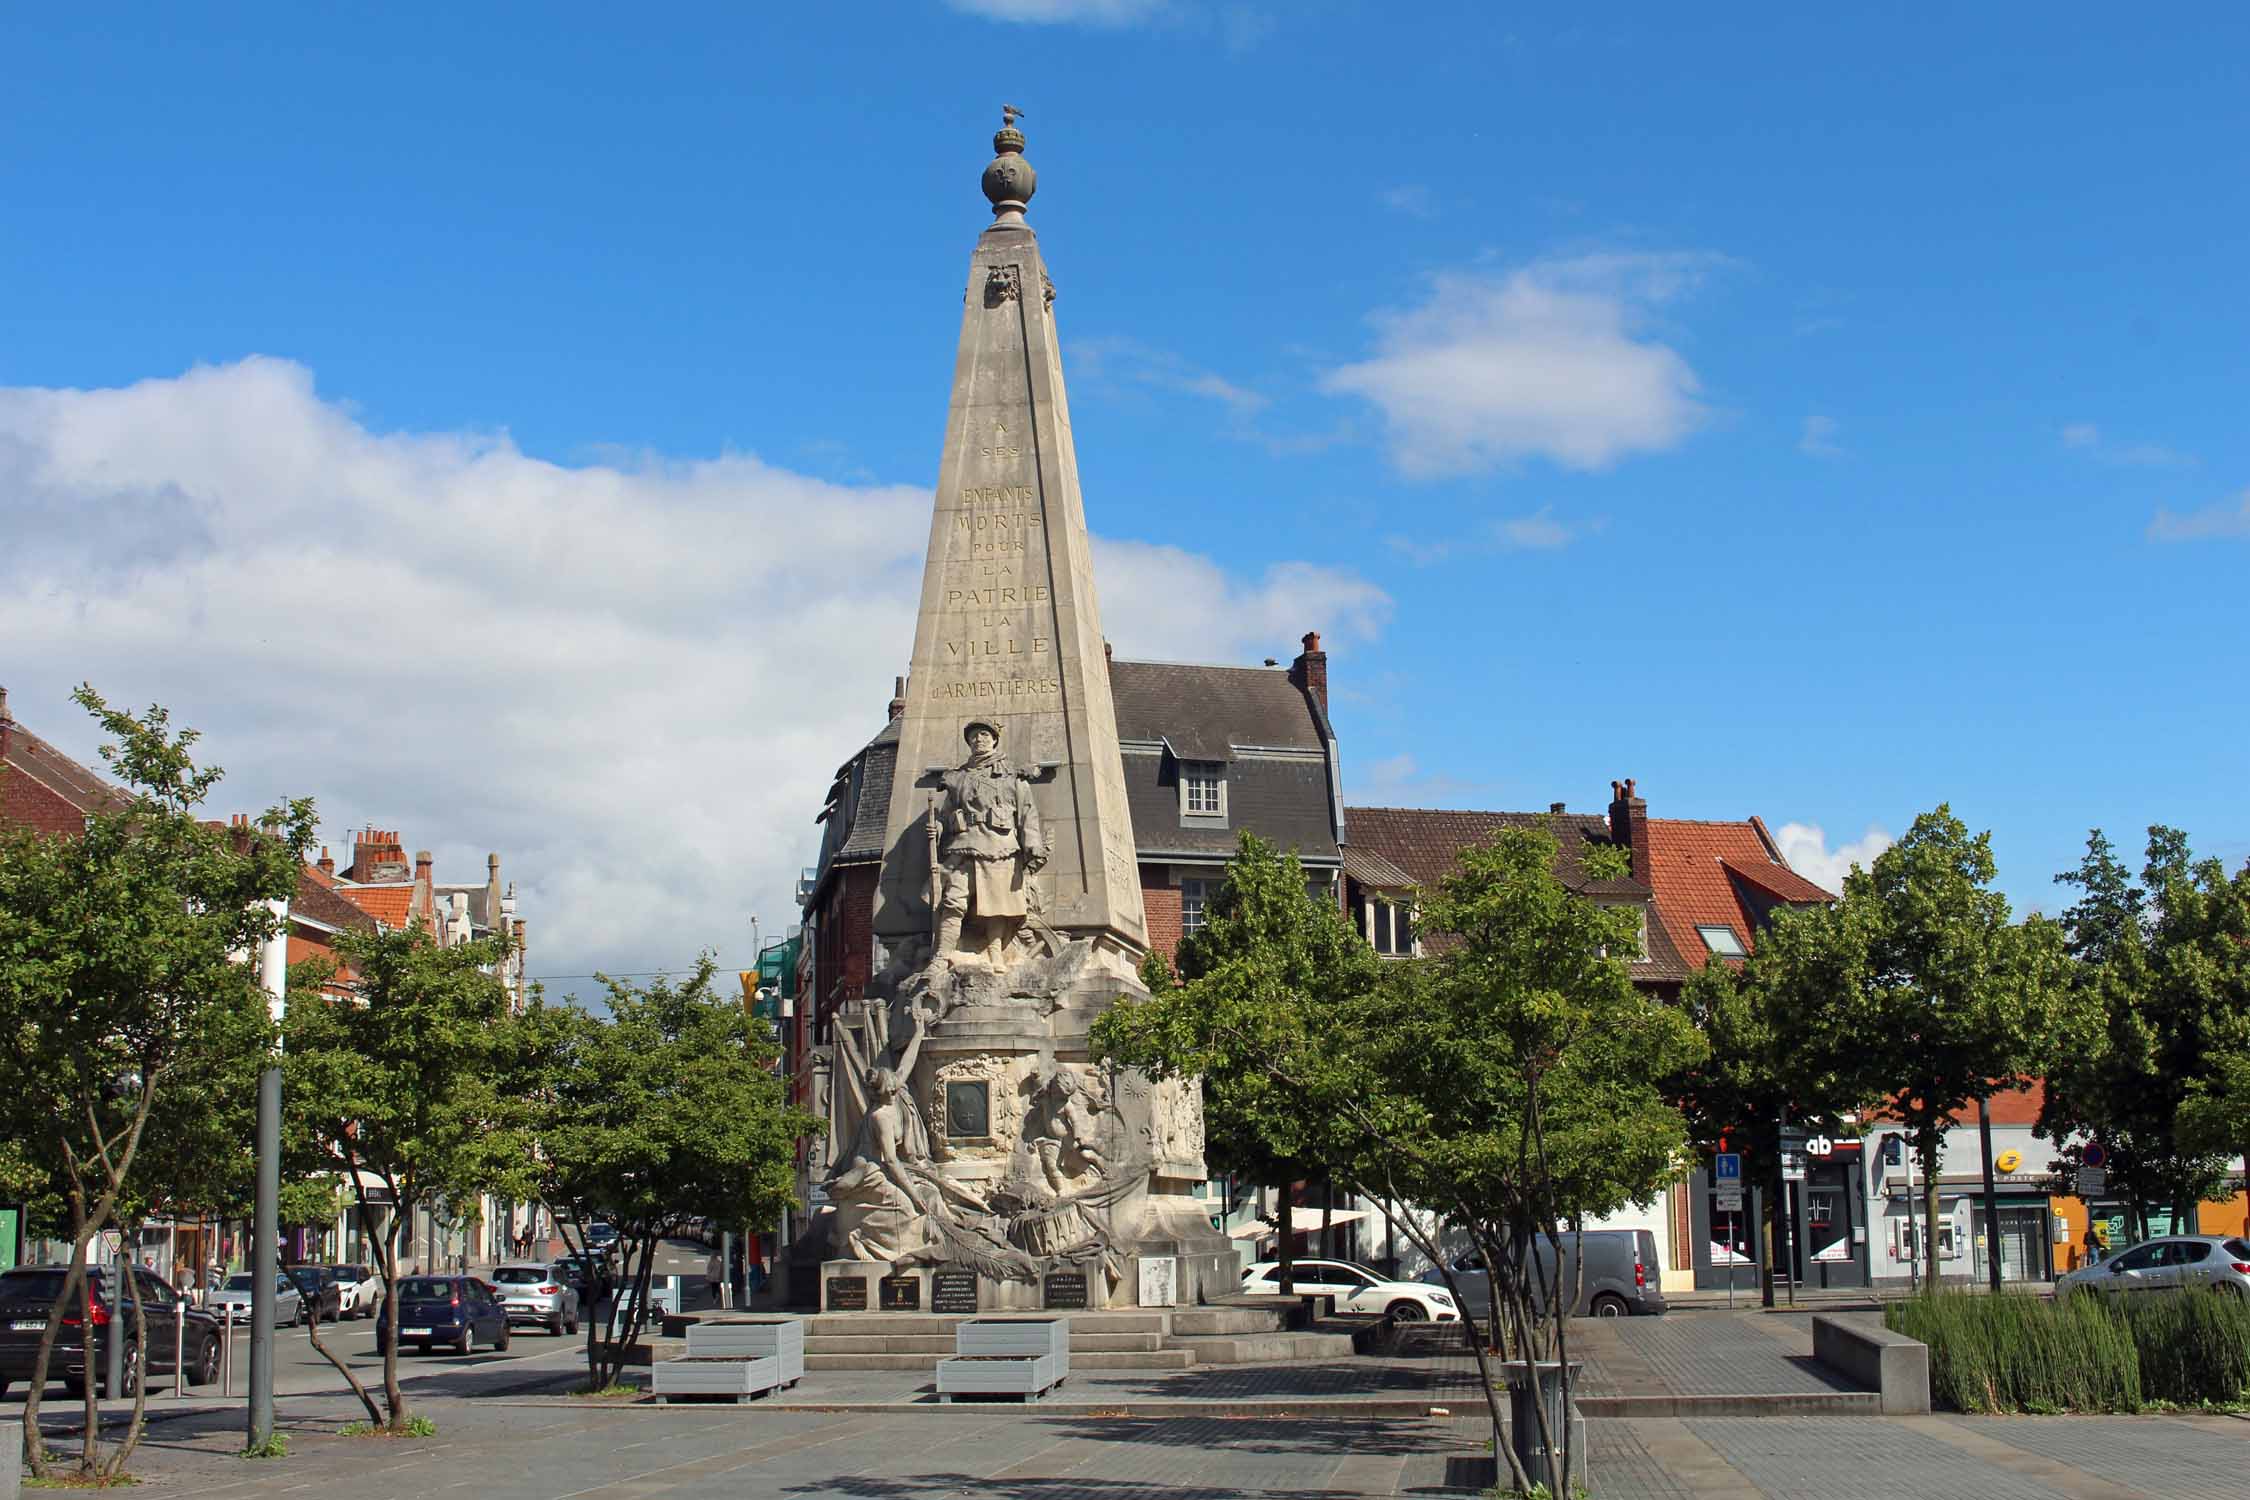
pixel 1726 1166
pixel 2092 1182
pixel 1726 1200
pixel 1792 1166
pixel 2095 1154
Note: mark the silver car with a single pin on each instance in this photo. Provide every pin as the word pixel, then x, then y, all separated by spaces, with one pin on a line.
pixel 238 1290
pixel 530 1291
pixel 2169 1263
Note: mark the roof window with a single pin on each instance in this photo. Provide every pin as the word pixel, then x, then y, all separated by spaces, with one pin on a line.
pixel 1720 939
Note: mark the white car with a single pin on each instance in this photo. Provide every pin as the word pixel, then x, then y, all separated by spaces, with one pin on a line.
pixel 1356 1290
pixel 362 1290
pixel 239 1290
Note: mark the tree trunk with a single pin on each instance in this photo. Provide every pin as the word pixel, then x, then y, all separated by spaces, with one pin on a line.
pixel 386 1261
pixel 35 1448
pixel 1327 1216
pixel 137 1356
pixel 1285 1232
pixel 351 1378
pixel 1926 1146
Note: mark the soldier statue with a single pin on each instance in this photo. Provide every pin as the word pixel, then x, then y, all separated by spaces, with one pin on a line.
pixel 986 848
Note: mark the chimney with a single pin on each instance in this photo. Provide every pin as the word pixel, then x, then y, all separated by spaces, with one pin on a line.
pixel 6 723
pixel 898 698
pixel 1109 653
pixel 421 867
pixel 1310 671
pixel 1556 808
pixel 1628 825
pixel 327 865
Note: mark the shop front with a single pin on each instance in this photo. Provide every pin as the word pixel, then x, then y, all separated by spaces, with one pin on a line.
pixel 1825 1238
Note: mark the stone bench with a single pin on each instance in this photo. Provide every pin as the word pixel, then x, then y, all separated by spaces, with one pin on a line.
pixel 1892 1365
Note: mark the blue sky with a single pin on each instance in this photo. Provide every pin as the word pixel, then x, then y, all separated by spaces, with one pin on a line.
pixel 1811 415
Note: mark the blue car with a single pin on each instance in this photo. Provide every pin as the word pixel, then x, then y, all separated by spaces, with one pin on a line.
pixel 455 1311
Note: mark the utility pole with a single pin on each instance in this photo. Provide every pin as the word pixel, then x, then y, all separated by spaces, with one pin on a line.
pixel 1991 1191
pixel 273 976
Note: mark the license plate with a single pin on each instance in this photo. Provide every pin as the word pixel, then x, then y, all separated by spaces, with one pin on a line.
pixel 29 1325
pixel 414 1333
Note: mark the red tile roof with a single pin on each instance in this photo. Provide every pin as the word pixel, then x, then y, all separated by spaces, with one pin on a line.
pixel 388 904
pixel 1718 874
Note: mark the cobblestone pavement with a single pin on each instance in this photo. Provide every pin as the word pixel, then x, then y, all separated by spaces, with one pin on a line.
pixel 1713 1353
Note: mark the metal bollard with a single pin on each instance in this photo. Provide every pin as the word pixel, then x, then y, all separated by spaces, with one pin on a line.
pixel 226 1356
pixel 179 1351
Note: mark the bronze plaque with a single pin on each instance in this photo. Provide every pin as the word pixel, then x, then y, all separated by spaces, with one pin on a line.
pixel 901 1294
pixel 953 1292
pixel 847 1294
pixel 1064 1289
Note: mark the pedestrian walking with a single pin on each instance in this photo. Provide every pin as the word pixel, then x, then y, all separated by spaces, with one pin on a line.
pixel 714 1275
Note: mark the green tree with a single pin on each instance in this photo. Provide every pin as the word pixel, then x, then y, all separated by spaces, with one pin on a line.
pixel 1263 978
pixel 1762 1061
pixel 1505 1084
pixel 2159 1004
pixel 1933 997
pixel 120 982
pixel 395 1089
pixel 669 1109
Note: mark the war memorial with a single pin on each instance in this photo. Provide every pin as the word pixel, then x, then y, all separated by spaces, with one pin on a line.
pixel 981 1159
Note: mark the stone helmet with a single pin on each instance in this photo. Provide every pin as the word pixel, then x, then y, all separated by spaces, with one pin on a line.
pixel 976 724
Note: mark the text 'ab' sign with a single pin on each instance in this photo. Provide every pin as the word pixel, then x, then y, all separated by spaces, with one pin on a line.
pixel 1726 1166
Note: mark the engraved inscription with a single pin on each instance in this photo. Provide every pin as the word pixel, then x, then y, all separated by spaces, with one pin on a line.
pixel 1028 593
pixel 1012 495
pixel 1019 687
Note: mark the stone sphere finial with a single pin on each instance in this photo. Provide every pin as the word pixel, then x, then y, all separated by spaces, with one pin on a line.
pixel 1009 180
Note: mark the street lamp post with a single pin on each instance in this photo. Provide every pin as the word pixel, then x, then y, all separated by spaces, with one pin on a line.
pixel 273 977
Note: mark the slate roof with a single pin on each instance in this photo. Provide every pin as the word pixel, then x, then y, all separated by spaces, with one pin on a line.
pixel 80 786
pixel 324 903
pixel 1371 869
pixel 1224 715
pixel 1720 874
pixel 1197 713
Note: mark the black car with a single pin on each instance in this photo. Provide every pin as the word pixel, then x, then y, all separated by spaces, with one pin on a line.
pixel 324 1294
pixel 455 1311
pixel 588 1274
pixel 27 1295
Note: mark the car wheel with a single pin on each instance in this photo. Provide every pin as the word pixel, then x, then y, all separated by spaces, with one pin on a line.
pixel 1610 1307
pixel 555 1324
pixel 206 1366
pixel 2228 1289
pixel 570 1324
pixel 1407 1310
pixel 468 1338
pixel 131 1384
pixel 75 1389
pixel 501 1343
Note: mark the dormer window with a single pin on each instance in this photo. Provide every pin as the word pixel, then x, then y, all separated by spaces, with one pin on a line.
pixel 1203 789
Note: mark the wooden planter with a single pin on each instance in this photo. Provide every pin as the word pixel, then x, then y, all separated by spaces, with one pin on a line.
pixel 1019 1336
pixel 1029 1376
pixel 779 1339
pixel 692 1375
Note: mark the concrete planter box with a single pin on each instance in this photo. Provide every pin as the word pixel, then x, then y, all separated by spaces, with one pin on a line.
pixel 1028 1376
pixel 11 1460
pixel 693 1376
pixel 779 1339
pixel 1030 1338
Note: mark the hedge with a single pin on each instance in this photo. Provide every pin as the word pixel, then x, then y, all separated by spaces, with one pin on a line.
pixel 2021 1353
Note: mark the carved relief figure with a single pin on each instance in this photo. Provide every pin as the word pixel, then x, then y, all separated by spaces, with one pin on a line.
pixel 988 849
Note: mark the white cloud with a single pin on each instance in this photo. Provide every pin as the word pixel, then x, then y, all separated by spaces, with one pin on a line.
pixel 2086 438
pixel 1117 361
pixel 632 679
pixel 1818 440
pixel 1550 360
pixel 1400 781
pixel 1167 604
pixel 1064 12
pixel 1805 846
pixel 1537 532
pixel 2227 518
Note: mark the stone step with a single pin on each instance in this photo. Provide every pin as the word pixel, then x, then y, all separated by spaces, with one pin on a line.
pixel 939 1345
pixel 1198 1321
pixel 1262 1348
pixel 822 1325
pixel 1137 1359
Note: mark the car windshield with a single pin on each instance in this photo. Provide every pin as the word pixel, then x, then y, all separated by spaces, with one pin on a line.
pixel 242 1281
pixel 424 1286
pixel 349 1273
pixel 519 1276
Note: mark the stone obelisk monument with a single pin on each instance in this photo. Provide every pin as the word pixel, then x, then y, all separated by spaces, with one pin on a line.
pixel 991 1162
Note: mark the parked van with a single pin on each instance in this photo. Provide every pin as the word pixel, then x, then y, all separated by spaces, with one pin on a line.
pixel 1621 1275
